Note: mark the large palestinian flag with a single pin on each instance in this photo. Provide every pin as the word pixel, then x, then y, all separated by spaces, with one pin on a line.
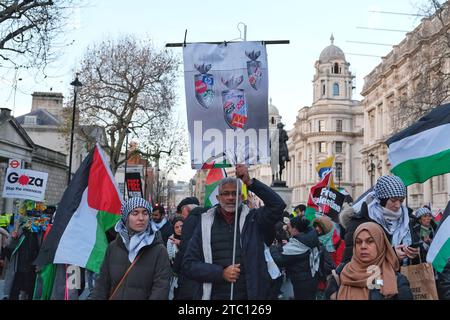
pixel 439 252
pixel 90 206
pixel 422 150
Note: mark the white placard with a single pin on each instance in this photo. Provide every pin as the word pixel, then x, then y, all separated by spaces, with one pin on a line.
pixel 25 184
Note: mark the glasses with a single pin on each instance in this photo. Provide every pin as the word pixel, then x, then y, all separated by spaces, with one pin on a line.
pixel 228 193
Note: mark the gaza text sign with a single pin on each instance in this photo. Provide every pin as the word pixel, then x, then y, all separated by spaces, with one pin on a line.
pixel 25 184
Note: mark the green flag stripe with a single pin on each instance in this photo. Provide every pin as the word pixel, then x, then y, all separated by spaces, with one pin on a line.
pixel 441 258
pixel 421 169
pixel 105 221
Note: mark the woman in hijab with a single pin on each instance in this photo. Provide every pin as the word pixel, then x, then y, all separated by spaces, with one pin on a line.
pixel 385 206
pixel 372 273
pixel 136 264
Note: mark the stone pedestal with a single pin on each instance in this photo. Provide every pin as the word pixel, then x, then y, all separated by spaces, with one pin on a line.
pixel 284 192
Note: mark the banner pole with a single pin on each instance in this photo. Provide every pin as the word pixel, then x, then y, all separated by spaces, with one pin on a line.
pixel 181 44
pixel 235 231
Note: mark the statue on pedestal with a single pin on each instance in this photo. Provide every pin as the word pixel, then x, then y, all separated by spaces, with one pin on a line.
pixel 279 152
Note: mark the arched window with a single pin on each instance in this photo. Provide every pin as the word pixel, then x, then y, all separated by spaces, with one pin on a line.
pixel 336 68
pixel 335 89
pixel 272 120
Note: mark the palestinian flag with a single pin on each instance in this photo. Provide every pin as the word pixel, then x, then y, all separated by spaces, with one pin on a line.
pixel 439 252
pixel 219 161
pixel 212 186
pixel 422 150
pixel 89 207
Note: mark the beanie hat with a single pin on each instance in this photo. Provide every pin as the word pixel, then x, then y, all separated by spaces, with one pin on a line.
pixel 186 201
pixel 423 211
pixel 389 187
pixel 132 204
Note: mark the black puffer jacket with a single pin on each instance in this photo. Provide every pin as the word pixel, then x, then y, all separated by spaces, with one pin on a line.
pixel 443 282
pixel 187 288
pixel 404 291
pixel 298 267
pixel 148 279
pixel 360 218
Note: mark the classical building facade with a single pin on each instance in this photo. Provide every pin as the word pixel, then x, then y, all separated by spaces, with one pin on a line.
pixel 396 79
pixel 332 125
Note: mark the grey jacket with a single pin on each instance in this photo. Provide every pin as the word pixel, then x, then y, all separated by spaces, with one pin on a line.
pixel 148 279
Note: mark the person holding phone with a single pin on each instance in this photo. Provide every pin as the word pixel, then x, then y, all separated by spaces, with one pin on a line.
pixel 386 208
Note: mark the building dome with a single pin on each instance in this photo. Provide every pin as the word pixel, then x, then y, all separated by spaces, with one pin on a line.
pixel 331 53
pixel 272 109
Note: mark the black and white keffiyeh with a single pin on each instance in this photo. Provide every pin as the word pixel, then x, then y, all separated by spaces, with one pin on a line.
pixel 422 211
pixel 389 187
pixel 132 204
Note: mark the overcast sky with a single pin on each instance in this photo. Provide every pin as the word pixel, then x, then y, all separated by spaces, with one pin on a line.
pixel 307 24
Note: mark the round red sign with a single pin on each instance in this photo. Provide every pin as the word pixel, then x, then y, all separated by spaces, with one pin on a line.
pixel 14 164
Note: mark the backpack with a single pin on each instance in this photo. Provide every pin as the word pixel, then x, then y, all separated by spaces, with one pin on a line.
pixel 326 264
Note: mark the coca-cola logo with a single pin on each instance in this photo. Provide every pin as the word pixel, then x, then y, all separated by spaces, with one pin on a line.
pixel 24 180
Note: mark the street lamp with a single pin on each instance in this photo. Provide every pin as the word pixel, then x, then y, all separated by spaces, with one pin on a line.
pixel 76 88
pixel 371 168
pixel 126 162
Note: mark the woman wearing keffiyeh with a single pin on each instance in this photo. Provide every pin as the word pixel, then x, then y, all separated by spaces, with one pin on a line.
pixel 136 265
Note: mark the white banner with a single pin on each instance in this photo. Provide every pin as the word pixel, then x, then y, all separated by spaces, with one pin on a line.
pixel 226 98
pixel 25 184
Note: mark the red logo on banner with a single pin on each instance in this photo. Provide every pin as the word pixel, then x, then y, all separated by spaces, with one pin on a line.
pixel 14 164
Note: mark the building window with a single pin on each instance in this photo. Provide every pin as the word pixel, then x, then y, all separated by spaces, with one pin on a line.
pixel 338 147
pixel 339 125
pixel 372 124
pixel 322 147
pixel 310 127
pixel 30 120
pixel 272 120
pixel 336 68
pixel 321 125
pixel 323 87
pixel 339 171
pixel 335 89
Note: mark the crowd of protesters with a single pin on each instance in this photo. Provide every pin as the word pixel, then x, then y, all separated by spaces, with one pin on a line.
pixel 253 253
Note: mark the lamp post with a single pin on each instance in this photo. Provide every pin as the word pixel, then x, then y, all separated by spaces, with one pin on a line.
pixel 371 168
pixel 76 88
pixel 126 162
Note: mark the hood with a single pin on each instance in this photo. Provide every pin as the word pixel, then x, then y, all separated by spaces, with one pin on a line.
pixel 197 211
pixel 346 215
pixel 309 238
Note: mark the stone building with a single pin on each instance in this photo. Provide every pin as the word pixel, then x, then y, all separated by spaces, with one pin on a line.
pixel 398 81
pixel 332 125
pixel 16 144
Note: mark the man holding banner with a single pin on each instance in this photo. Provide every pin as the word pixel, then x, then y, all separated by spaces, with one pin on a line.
pixel 209 255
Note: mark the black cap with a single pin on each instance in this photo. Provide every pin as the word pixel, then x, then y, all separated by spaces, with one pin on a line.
pixel 188 200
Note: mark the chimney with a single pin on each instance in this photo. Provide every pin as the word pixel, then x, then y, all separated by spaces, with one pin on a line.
pixel 5 113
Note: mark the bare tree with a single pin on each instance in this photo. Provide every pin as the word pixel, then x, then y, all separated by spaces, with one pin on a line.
pixel 165 142
pixel 28 29
pixel 127 84
pixel 430 70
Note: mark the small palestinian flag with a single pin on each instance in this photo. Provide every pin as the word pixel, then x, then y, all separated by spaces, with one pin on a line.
pixel 212 186
pixel 219 161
